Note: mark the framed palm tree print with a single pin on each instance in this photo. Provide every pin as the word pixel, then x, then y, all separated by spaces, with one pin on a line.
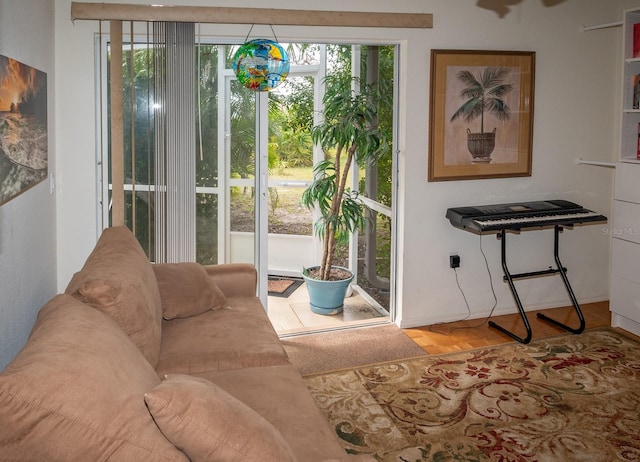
pixel 481 117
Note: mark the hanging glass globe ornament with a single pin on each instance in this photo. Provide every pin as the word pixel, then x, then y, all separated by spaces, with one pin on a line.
pixel 261 64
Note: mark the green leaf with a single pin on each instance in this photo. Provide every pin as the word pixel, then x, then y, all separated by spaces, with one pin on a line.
pixel 348 128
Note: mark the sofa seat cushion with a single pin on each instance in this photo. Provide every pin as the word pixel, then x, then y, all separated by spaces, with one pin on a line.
pixel 207 423
pixel 186 290
pixel 76 392
pixel 240 335
pixel 279 394
pixel 118 280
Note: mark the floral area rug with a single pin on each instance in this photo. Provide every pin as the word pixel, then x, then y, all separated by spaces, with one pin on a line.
pixel 568 398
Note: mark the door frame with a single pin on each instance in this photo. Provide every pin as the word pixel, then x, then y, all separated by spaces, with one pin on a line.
pixel 261 180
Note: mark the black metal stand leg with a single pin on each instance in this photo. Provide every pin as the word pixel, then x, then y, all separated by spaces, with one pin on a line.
pixel 563 274
pixel 509 279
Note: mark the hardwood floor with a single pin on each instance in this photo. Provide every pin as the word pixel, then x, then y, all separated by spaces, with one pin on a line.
pixel 476 333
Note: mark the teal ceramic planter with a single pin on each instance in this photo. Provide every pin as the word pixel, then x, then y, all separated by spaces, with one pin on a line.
pixel 327 297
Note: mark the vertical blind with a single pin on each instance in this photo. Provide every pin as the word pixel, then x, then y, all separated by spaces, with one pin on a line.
pixel 170 154
pixel 175 136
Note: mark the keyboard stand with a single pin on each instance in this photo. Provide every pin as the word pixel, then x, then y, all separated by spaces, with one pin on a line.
pixel 509 278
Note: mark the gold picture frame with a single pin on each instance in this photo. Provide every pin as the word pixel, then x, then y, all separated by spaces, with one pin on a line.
pixel 481 117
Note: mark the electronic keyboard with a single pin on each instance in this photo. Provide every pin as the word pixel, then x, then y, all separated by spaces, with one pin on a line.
pixel 516 216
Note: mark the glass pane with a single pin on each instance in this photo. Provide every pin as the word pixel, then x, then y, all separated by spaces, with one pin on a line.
pixel 139 216
pixel 138 126
pixel 138 156
pixel 303 54
pixel 241 183
pixel 207 132
pixel 242 224
pixel 299 54
pixel 374 249
pixel 290 155
pixel 243 131
pixel 207 228
pixel 207 117
pixel 229 58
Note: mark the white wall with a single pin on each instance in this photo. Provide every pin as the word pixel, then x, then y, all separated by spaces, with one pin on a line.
pixel 27 222
pixel 576 93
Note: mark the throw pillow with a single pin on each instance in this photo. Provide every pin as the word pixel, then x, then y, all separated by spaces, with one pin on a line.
pixel 118 280
pixel 207 423
pixel 75 392
pixel 186 290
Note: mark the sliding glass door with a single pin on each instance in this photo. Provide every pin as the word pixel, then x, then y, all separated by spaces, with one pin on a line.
pixel 253 158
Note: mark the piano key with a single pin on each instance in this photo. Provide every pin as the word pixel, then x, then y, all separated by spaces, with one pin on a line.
pixel 535 218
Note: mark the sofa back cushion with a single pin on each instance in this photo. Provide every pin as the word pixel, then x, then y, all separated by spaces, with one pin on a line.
pixel 187 290
pixel 76 392
pixel 118 280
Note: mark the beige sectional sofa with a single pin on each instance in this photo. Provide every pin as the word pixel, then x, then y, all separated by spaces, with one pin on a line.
pixel 169 362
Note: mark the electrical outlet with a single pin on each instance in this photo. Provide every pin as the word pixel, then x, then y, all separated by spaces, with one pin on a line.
pixel 454 261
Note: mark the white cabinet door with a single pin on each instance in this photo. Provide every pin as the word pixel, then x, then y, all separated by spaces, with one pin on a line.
pixel 627 179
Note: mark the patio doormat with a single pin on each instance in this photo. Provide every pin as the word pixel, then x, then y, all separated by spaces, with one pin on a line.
pixel 280 286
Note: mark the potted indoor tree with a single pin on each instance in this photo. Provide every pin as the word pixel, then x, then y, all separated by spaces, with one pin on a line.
pixel 348 132
pixel 483 93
